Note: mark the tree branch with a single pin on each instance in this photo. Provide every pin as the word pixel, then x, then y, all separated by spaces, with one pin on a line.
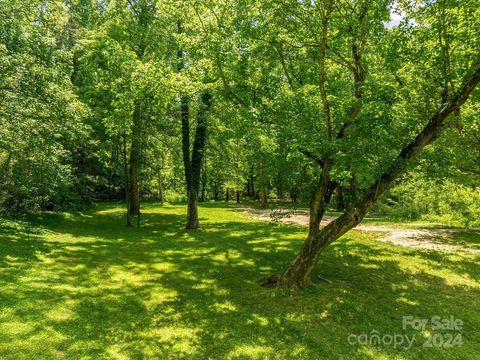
pixel 430 132
pixel 311 156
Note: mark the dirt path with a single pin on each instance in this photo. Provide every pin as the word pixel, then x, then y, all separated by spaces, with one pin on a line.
pixel 427 239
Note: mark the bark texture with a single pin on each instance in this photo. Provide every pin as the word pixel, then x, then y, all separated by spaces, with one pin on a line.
pixel 193 164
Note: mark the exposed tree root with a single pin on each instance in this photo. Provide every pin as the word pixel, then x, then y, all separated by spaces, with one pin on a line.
pixel 269 281
pixel 323 279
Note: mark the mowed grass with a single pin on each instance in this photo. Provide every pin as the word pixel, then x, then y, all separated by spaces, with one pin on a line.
pixel 83 286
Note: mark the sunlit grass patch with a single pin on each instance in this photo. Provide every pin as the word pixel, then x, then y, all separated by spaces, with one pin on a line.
pixel 83 285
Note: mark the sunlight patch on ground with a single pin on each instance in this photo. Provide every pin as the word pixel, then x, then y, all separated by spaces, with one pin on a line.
pixel 250 352
pixel 84 286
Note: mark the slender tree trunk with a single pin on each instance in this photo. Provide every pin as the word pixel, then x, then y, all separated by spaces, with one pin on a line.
pixel 264 198
pixel 340 204
pixel 293 195
pixel 127 182
pixel 250 183
pixel 320 199
pixel 113 165
pixel 352 191
pixel 227 196
pixel 134 197
pixel 279 181
pixel 134 193
pixel 238 197
pixel 160 187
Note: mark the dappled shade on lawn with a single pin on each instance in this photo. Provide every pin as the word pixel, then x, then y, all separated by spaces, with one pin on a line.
pixel 78 285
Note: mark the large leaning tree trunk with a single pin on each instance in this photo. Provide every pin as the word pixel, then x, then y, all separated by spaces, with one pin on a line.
pixel 298 273
pixel 193 164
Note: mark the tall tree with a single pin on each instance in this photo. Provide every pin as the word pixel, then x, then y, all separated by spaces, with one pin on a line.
pixel 123 72
pixel 192 155
pixel 193 162
pixel 40 115
pixel 355 96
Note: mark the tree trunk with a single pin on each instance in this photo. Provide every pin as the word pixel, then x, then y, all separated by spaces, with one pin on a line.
pixel 238 197
pixel 134 193
pixel 193 164
pixel 193 169
pixel 298 273
pixel 251 183
pixel 320 199
pixel 264 198
pixel 134 197
pixel 160 187
pixel 293 194
pixel 202 196
pixel 227 196
pixel 185 118
pixel 127 182
pixel 204 184
pixel 279 181
pixel 340 203
pixel 192 210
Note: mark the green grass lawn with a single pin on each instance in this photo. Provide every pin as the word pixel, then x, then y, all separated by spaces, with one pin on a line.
pixel 85 286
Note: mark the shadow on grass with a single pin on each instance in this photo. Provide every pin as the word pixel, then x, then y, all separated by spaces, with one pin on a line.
pixel 88 286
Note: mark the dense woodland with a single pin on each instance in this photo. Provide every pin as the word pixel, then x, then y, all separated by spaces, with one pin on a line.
pixel 327 103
